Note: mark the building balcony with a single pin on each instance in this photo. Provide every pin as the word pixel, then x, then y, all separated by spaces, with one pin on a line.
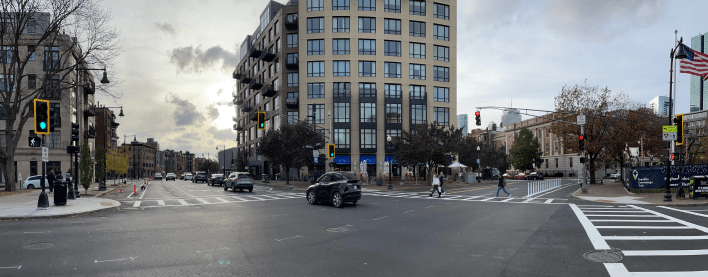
pixel 292 62
pixel 245 79
pixel 291 21
pixel 90 133
pixel 237 75
pixel 238 101
pixel 255 52
pixel 89 111
pixel 269 91
pixel 268 56
pixel 256 84
pixel 238 127
pixel 253 116
pixel 292 102
pixel 246 108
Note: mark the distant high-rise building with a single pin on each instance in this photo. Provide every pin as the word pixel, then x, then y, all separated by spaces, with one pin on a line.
pixel 699 101
pixel 510 116
pixel 660 105
pixel 462 122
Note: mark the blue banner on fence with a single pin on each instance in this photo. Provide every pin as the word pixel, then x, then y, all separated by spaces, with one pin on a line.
pixel 654 177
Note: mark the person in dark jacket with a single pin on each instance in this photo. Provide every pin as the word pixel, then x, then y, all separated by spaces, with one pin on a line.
pixel 50 180
pixel 442 175
pixel 501 186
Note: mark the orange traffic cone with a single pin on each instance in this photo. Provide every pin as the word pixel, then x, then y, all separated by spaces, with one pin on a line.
pixel 121 188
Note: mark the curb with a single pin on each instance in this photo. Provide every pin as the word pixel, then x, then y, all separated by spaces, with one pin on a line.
pixel 651 204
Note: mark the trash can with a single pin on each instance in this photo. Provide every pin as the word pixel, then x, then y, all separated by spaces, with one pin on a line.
pixel 265 178
pixel 60 191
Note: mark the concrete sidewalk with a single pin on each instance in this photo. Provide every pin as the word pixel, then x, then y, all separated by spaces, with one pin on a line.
pixel 23 205
pixel 614 192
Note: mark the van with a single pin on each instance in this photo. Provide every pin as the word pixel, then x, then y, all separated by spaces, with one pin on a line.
pixel 188 176
pixel 158 176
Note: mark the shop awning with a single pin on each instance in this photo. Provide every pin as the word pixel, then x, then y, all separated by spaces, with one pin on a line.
pixel 342 159
pixel 370 159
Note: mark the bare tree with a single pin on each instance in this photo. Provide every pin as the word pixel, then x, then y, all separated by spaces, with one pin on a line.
pixel 61 35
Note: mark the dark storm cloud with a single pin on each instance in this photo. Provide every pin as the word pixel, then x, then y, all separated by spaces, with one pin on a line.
pixel 165 27
pixel 195 59
pixel 185 112
pixel 212 112
pixel 225 134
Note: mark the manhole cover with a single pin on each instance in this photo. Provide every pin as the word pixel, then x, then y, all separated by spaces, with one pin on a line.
pixel 603 256
pixel 76 224
pixel 39 245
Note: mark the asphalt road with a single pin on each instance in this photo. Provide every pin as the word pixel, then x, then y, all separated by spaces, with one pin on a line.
pixel 178 228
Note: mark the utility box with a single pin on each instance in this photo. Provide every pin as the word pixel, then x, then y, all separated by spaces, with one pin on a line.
pixel 699 186
pixel 470 177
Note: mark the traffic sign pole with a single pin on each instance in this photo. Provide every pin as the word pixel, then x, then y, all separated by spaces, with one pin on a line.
pixel 584 177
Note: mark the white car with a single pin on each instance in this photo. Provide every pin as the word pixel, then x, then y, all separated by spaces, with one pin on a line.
pixel 188 176
pixel 32 182
pixel 615 175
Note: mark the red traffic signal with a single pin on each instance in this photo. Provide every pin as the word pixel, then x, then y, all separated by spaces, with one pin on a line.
pixel 580 137
pixel 476 113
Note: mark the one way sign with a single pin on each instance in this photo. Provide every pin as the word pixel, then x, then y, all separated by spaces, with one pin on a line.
pixel 35 142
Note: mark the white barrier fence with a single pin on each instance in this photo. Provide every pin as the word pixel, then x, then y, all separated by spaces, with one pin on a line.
pixel 541 186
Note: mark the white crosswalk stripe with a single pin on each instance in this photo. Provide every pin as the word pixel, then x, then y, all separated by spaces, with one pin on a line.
pixel 617 220
pixel 212 200
pixel 458 197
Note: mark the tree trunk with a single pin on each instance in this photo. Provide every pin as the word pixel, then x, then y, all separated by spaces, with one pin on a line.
pixel 9 172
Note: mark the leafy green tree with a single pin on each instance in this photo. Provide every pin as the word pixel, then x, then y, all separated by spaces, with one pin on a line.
pixel 487 154
pixel 430 144
pixel 117 161
pixel 85 166
pixel 524 152
pixel 100 163
pixel 287 146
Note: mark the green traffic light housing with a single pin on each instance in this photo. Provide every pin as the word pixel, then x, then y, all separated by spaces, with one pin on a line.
pixel 330 150
pixel 261 120
pixel 41 117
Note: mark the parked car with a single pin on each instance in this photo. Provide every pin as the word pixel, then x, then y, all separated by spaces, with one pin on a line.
pixel 216 179
pixel 188 176
pixel 506 176
pixel 520 176
pixel 158 176
pixel 239 182
pixel 535 176
pixel 616 175
pixel 233 178
pixel 336 188
pixel 200 177
pixel 490 173
pixel 33 182
pixel 170 176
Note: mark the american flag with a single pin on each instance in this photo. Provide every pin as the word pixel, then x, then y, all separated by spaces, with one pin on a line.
pixel 696 63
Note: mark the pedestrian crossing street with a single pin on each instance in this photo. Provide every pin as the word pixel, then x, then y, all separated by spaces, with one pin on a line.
pixel 475 198
pixel 649 236
pixel 211 200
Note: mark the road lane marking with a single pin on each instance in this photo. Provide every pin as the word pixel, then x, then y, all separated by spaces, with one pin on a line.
pixel 508 199
pixel 630 220
pixel 119 228
pixel 655 237
pixel 38 232
pixel 408 211
pixel 689 224
pixel 258 198
pixel 643 227
pixel 183 190
pixel 160 202
pixel 623 215
pixel 288 238
pixel 181 201
pixel 617 212
pixel 688 212
pixel 221 199
pixel 665 252
pixel 528 200
pixel 225 248
pixel 590 230
pixel 487 199
pixel 548 201
pixel 382 217
pixel 131 258
pixel 319 210
pixel 240 199
pixel 203 201
pixel 11 267
pixel 143 194
pixel 618 269
pixel 136 204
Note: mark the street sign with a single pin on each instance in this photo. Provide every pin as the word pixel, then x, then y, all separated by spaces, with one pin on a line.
pixel 35 142
pixel 581 119
pixel 315 153
pixel 666 136
pixel 669 129
pixel 316 159
pixel 477 161
pixel 45 154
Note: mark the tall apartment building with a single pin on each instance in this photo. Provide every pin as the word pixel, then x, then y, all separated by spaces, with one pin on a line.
pixel 699 99
pixel 462 123
pixel 141 159
pixel 367 69
pixel 660 105
pixel 510 116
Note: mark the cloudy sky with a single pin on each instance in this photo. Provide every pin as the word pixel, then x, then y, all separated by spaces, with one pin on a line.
pixel 177 58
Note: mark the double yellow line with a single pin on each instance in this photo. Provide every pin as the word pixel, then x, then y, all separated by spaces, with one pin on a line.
pixel 470 189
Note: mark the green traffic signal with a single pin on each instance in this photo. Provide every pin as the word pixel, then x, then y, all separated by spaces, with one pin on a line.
pixel 43 125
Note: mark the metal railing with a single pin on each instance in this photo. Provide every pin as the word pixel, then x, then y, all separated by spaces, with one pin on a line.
pixel 534 188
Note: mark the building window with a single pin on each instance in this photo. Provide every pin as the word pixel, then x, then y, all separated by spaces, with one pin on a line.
pixel 315 47
pixel 291 40
pixel 54 139
pixel 340 46
pixel 442 116
pixel 293 116
pixel 416 29
pixel 341 68
pixel 392 26
pixel 6 83
pixel 32 56
pixel 367 69
pixel 341 89
pixel 392 48
pixel 441 53
pixel 276 104
pixel 417 71
pixel 368 138
pixel 367 5
pixel 341 112
pixel 276 84
pixel 342 138
pixel 293 80
pixel 338 5
pixel 419 114
pixel 315 69
pixel 31 81
pixel 571 161
pixel 393 113
pixel 392 6
pixel 441 32
pixel 441 73
pixel 416 50
pixel 367 90
pixel 6 54
pixel 417 92
pixel 441 94
pixel 315 90
pixel 392 70
pixel 441 11
pixel 546 162
pixel 367 24
pixel 33 168
pixel 51 58
pixel 315 5
pixel 556 162
pixel 340 24
pixel 315 25
pixel 275 27
pixel 319 113
pixel 392 90
pixel 367 47
pixel 417 7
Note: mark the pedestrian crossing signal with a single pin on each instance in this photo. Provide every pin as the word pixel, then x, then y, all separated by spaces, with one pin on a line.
pixel 41 117
pixel 330 148
pixel 261 120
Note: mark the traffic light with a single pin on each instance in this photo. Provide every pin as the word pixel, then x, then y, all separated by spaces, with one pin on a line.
pixel 673 157
pixel 582 160
pixel 678 120
pixel 477 119
pixel 330 150
pixel 41 117
pixel 75 133
pixel 581 143
pixel 261 120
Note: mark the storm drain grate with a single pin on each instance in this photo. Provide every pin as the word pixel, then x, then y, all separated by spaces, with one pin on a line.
pixel 76 224
pixel 603 256
pixel 39 245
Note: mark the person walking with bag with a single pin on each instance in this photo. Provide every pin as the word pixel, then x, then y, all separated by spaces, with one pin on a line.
pixel 436 185
pixel 501 185
pixel 442 175
pixel 50 180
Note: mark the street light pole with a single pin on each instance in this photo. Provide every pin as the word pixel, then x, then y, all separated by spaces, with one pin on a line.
pixel 390 163
pixel 479 165
pixel 678 55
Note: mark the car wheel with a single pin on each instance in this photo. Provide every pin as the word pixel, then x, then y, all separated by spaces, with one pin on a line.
pixel 226 188
pixel 353 202
pixel 233 188
pixel 241 190
pixel 30 187
pixel 337 199
pixel 250 190
pixel 311 197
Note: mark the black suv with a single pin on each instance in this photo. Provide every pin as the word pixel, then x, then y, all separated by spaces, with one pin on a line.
pixel 336 188
pixel 200 177
pixel 216 179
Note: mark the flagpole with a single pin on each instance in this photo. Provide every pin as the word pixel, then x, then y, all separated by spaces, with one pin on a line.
pixel 673 103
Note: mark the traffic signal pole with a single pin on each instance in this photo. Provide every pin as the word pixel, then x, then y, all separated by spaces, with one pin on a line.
pixel 584 188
